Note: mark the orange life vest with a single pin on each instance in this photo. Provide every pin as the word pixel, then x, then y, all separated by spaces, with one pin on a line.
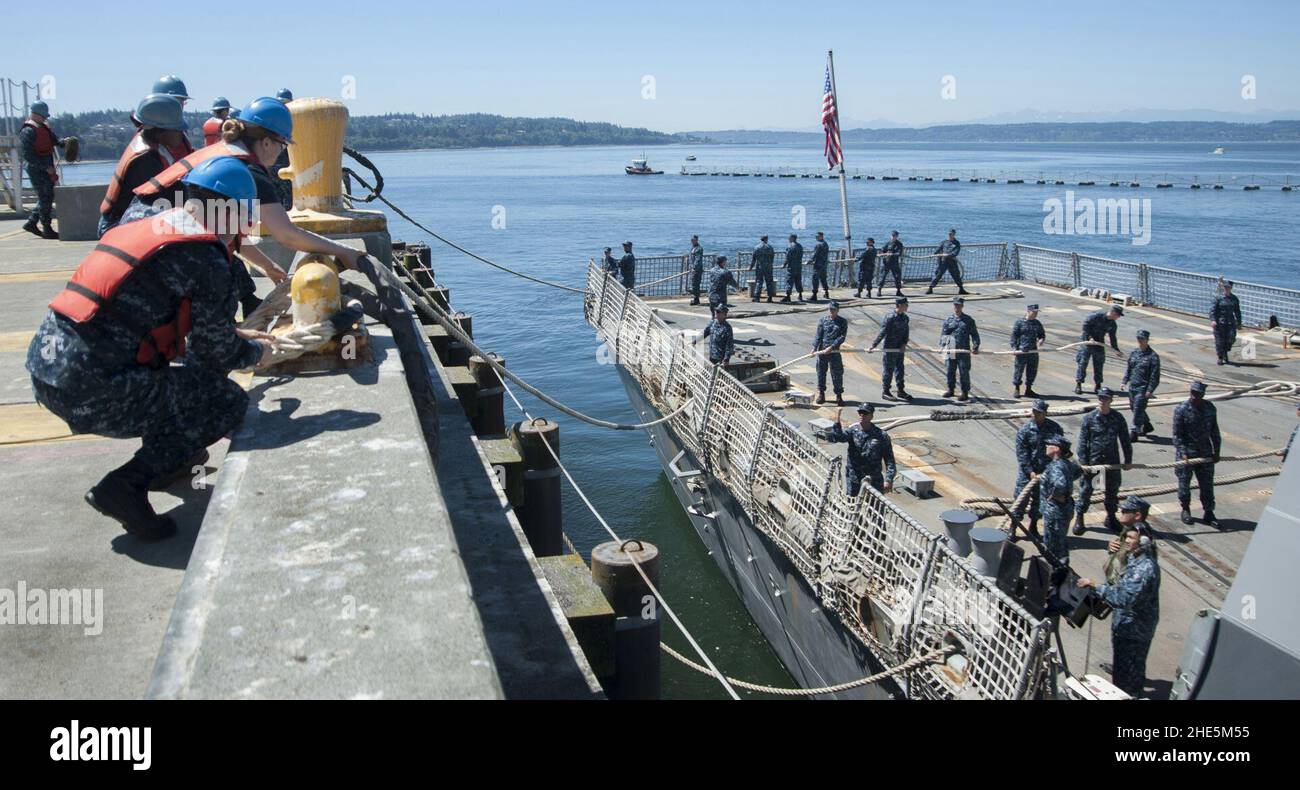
pixel 44 137
pixel 172 175
pixel 134 150
pixel 212 130
pixel 119 254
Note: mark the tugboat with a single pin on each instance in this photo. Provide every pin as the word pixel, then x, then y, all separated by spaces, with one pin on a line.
pixel 639 167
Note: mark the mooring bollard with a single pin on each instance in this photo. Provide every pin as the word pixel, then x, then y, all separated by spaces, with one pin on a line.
pixel 636 629
pixel 958 524
pixel 542 513
pixel 489 416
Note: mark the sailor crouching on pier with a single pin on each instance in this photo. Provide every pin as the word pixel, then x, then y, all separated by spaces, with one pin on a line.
pixel 152 292
pixel 869 448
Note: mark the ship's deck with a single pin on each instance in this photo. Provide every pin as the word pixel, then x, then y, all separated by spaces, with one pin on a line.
pixel 976 458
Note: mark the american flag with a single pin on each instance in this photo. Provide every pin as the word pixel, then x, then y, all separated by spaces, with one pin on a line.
pixel 831 123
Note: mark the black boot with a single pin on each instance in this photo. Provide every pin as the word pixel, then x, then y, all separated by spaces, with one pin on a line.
pixel 1209 518
pixel 128 503
pixel 49 232
pixel 163 482
pixel 1016 389
pixel 929 291
pixel 695 301
pixel 30 227
pixel 1078 388
pixel 886 395
pixel 947 393
pixel 1029 392
pixel 963 291
pixel 858 294
pixel 965 396
pixel 1132 436
pixel 784 299
pixel 821 397
pixel 1186 516
pixel 1078 524
pixel 769 300
pixel 904 394
pixel 839 399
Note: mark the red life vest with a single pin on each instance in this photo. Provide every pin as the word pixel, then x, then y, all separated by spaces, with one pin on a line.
pixel 122 251
pixel 44 137
pixel 134 150
pixel 212 130
pixel 172 175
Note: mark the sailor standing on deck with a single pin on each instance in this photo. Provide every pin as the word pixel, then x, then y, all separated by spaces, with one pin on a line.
pixel 794 269
pixel 627 266
pixel 948 250
pixel 1225 317
pixel 1031 457
pixel 1196 435
pixel 1055 490
pixel 821 259
pixel 959 332
pixel 1136 601
pixel 153 292
pixel 764 256
pixel 695 260
pixel 891 262
pixel 869 448
pixel 1102 435
pixel 720 280
pixel 722 344
pixel 212 126
pixel 1141 377
pixel 867 267
pixel 37 142
pixel 832 331
pixel 1096 328
pixel 1027 336
pixel 894 332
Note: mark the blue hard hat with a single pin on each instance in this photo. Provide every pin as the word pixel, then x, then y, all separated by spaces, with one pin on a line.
pixel 225 175
pixel 161 111
pixel 284 94
pixel 171 84
pixel 234 113
pixel 221 103
pixel 41 108
pixel 270 114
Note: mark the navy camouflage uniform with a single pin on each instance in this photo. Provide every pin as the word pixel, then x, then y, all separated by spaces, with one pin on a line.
pixel 720 279
pixel 1226 315
pixel 695 259
pixel 1031 456
pixel 1098 327
pixel 794 269
pixel 88 376
pixel 722 344
pixel 1026 334
pixel 948 250
pixel 38 167
pixel 1136 601
pixel 1141 377
pixel 868 450
pixel 627 270
pixel 831 333
pixel 764 256
pixel 894 333
pixel 820 260
pixel 866 269
pixel 1055 489
pixel 959 332
pixel 1101 438
pixel 1196 435
pixel 891 262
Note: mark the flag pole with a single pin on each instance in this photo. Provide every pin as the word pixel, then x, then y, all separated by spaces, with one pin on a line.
pixel 844 193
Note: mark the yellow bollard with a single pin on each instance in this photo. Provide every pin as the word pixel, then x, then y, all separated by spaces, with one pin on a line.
pixel 316 170
pixel 314 293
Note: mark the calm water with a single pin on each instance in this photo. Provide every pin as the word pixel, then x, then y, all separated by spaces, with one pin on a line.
pixel 561 206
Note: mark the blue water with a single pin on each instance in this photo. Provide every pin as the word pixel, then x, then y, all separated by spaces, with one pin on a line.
pixel 562 205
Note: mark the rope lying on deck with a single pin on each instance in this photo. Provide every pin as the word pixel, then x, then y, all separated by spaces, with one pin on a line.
pixel 425 305
pixel 909 664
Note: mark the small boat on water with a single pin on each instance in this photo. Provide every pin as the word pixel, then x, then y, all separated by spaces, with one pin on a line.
pixel 1220 151
pixel 690 158
pixel 639 167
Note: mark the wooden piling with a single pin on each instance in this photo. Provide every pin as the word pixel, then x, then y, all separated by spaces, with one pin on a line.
pixel 542 512
pixel 637 627
pixel 489 419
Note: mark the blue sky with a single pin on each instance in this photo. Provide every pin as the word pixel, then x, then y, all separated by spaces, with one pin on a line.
pixel 714 65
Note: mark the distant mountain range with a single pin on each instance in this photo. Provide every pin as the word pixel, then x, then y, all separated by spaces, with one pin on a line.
pixel 1070 132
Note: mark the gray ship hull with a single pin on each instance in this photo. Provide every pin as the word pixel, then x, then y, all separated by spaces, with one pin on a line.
pixel 815 649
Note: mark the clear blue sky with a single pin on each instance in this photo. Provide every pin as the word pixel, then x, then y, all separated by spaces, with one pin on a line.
pixel 715 65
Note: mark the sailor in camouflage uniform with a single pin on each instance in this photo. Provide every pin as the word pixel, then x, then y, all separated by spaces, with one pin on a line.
pixel 947 252
pixel 695 260
pixel 1031 456
pixel 627 266
pixel 820 261
pixel 894 333
pixel 1225 317
pixel 764 257
pixel 1096 327
pixel 1196 435
pixel 1102 435
pixel 108 374
pixel 832 331
pixel 891 262
pixel 869 448
pixel 37 141
pixel 959 332
pixel 794 269
pixel 1055 489
pixel 720 280
pixel 867 267
pixel 1136 601
pixel 1141 377
pixel 722 344
pixel 1027 336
